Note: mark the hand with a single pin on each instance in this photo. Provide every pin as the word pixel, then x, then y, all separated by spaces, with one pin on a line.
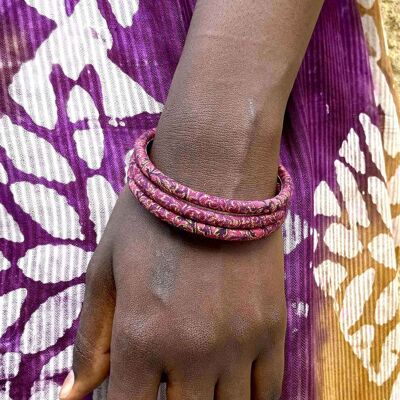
pixel 207 316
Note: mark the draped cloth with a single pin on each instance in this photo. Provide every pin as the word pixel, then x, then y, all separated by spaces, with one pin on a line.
pixel 80 80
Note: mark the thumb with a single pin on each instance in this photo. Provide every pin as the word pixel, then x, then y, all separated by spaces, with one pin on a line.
pixel 91 359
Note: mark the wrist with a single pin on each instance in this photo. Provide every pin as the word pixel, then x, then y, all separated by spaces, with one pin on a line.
pixel 235 156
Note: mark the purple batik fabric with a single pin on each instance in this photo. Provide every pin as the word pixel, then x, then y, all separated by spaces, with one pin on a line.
pixel 80 81
pixel 332 88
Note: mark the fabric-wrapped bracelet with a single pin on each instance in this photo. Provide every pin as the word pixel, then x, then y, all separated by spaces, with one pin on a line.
pixel 197 212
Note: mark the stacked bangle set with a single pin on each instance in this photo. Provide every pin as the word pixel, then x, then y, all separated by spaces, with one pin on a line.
pixel 200 213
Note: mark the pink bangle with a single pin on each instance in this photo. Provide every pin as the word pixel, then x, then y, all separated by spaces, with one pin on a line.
pixel 205 200
pixel 213 232
pixel 161 195
pixel 196 213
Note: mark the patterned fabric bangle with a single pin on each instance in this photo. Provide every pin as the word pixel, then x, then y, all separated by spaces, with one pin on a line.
pixel 196 213
pixel 176 189
pixel 192 211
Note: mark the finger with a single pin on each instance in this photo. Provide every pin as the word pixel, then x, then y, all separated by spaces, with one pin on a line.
pixel 136 382
pixel 135 372
pixel 91 357
pixel 235 384
pixel 195 385
pixel 267 374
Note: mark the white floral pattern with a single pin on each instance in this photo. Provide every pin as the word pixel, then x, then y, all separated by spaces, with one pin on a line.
pixel 48 208
pixel 56 175
pixel 50 321
pixel 51 264
pixel 356 280
pixel 334 278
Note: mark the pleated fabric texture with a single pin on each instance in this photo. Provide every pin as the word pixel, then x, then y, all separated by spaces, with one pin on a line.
pixel 80 80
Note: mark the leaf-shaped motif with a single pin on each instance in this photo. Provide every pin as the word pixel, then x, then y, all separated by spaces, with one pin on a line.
pixel 384 98
pixel 124 11
pixel 388 302
pixel 295 230
pixel 58 363
pixel 9 365
pixel 351 152
pixel 130 101
pixel 4 263
pixel 342 241
pixel 361 342
pixel 10 308
pixel 329 276
pixel 3 174
pixel 315 236
pixel 374 141
pixel 395 395
pixel 390 356
pixel 102 199
pixel 48 263
pixel 382 250
pixel 380 197
pixel 325 202
pixel 90 144
pixel 356 295
pixel 32 154
pixel 9 229
pixel 80 105
pixel 394 187
pixel 355 204
pixel 53 317
pixel 48 208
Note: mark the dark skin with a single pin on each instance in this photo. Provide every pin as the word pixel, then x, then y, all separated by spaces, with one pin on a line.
pixel 207 316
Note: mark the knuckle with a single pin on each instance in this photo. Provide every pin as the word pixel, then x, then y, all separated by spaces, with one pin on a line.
pixel 248 325
pixel 133 336
pixel 258 325
pixel 198 340
pixel 275 319
pixel 136 343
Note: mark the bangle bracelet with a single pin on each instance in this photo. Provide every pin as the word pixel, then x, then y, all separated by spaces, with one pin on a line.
pixel 196 213
pixel 192 211
pixel 176 189
pixel 212 232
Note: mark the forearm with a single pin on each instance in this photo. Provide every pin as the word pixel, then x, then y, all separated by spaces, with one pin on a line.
pixel 221 127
